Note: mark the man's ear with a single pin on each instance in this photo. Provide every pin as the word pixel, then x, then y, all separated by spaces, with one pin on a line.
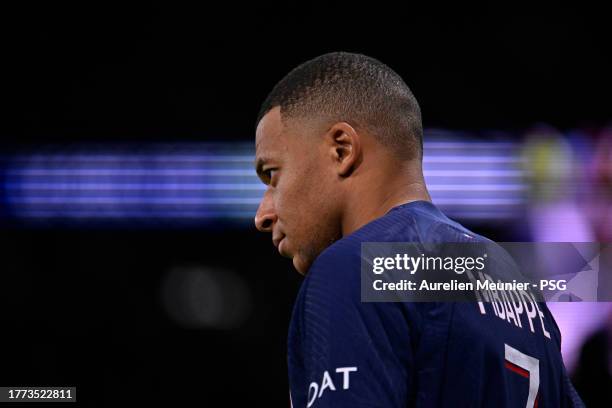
pixel 345 147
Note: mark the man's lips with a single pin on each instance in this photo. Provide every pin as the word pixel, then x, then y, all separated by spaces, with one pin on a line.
pixel 277 240
pixel 279 244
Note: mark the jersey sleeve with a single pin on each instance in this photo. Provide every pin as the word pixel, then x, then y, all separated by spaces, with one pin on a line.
pixel 346 353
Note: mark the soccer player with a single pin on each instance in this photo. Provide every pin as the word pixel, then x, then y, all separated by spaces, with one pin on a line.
pixel 339 146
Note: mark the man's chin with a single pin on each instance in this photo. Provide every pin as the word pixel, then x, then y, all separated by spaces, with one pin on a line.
pixel 301 265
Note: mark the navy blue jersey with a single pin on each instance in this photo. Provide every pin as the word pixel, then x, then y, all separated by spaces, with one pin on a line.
pixel 346 353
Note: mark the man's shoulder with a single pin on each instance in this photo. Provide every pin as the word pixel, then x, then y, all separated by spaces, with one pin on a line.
pixel 417 222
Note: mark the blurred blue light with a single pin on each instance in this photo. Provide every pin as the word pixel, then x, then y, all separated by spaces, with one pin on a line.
pixel 216 182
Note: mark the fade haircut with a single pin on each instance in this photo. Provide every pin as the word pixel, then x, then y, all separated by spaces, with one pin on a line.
pixel 352 88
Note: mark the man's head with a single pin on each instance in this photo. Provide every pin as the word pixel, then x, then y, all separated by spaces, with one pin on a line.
pixel 333 129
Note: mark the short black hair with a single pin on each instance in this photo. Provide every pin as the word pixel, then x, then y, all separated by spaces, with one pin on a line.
pixel 357 89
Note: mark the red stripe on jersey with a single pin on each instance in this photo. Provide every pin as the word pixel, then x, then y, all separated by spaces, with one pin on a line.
pixel 517 369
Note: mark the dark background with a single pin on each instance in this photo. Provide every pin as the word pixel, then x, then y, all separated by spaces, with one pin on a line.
pixel 83 307
pixel 77 72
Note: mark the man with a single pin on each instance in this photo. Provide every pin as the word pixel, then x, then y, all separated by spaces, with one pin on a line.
pixel 339 145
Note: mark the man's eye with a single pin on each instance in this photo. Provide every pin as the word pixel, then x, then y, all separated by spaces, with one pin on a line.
pixel 269 174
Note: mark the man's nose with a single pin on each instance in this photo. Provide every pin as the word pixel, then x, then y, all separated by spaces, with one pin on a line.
pixel 266 215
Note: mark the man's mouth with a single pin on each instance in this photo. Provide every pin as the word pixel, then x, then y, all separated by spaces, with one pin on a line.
pixel 277 240
pixel 278 243
pixel 280 247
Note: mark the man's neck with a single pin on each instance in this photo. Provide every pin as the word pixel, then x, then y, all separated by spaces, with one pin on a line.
pixel 368 205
